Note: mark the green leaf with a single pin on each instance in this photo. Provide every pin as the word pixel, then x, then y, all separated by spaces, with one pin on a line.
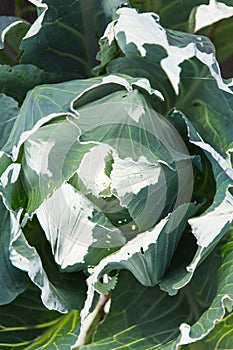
pixel 42 104
pixel 214 223
pixel 219 24
pixel 9 112
pixel 218 339
pixel 27 325
pixel 162 321
pixel 12 281
pixel 148 148
pixel 173 14
pixel 185 60
pixel 147 5
pixel 140 318
pixel 209 109
pixel 58 157
pixel 221 38
pixel 51 156
pixel 12 188
pixel 5 161
pixel 181 16
pixel 126 116
pixel 18 80
pixel 74 234
pixel 218 12
pixel 12 31
pixel 31 252
pixel 147 256
pixel 78 25
pixel 222 301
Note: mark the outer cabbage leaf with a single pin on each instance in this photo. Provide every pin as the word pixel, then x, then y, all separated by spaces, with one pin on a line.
pixel 220 18
pixel 12 281
pixel 9 112
pixel 30 252
pixel 208 108
pixel 51 156
pixel 222 302
pixel 174 51
pixel 10 186
pixel 26 324
pixel 78 24
pixel 209 227
pixel 18 80
pixel 12 30
pixel 146 318
pixel 219 338
pixel 221 38
pixel 147 256
pixel 185 16
pixel 190 66
pixel 42 104
pixel 140 318
pixel 218 10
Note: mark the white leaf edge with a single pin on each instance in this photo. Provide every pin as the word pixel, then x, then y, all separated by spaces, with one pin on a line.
pixel 225 205
pixel 15 168
pixel 9 176
pixel 212 222
pixel 9 27
pixel 33 267
pixel 37 25
pixel 119 80
pixel 143 83
pixel 26 134
pixel 143 28
pixel 216 11
pixel 142 240
pixel 227 202
pixel 185 338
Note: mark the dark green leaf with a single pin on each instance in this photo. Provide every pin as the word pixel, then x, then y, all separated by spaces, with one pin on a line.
pixel 222 301
pixel 9 112
pixel 208 108
pixel 78 25
pixel 18 80
pixel 12 30
pixel 27 325
pixel 146 318
pixel 178 15
pixel 221 38
pixel 147 256
pixel 214 223
pixel 218 339
pixel 31 252
pixel 12 281
pixel 140 318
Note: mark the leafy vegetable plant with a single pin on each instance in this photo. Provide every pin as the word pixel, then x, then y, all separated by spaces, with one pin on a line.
pixel 116 176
